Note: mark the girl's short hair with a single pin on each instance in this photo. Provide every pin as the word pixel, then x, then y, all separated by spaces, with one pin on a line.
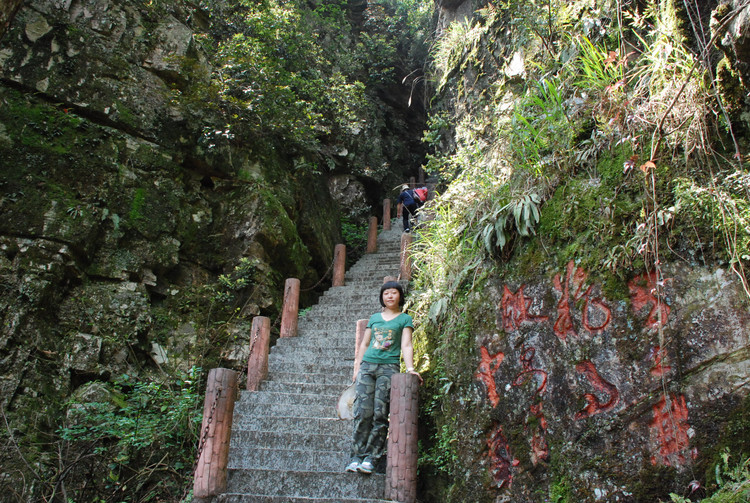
pixel 393 284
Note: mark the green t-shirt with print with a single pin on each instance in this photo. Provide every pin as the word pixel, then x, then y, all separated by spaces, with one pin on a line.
pixel 385 338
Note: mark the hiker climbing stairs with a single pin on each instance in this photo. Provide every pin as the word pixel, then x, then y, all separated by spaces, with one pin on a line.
pixel 287 443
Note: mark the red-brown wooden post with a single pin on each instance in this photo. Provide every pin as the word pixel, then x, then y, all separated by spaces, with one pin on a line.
pixel 386 214
pixel 257 363
pixel 372 236
pixel 210 478
pixel 360 334
pixel 401 467
pixel 339 265
pixel 399 210
pixel 405 271
pixel 290 310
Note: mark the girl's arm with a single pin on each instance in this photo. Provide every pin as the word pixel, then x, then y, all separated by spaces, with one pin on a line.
pixel 361 352
pixel 407 349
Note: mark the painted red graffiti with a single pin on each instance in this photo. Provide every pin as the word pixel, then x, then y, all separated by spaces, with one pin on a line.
pixel 564 327
pixel 659 369
pixel 501 459
pixel 527 355
pixel 488 365
pixel 594 406
pixel 515 309
pixel 539 448
pixel 605 313
pixel 643 295
pixel 670 431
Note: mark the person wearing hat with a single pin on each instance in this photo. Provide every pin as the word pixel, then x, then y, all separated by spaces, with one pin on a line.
pixel 387 337
pixel 408 200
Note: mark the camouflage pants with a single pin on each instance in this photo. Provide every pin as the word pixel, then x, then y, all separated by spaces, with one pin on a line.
pixel 371 410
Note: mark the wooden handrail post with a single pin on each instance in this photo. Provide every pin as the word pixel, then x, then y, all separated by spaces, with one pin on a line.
pixel 210 478
pixel 386 214
pixel 290 309
pixel 421 176
pixel 405 271
pixel 412 182
pixel 257 363
pixel 339 265
pixel 372 236
pixel 360 334
pixel 401 467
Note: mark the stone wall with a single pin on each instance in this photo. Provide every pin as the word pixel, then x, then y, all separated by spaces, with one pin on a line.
pixel 609 392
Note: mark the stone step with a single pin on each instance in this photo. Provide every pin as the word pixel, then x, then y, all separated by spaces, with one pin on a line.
pixel 383 258
pixel 340 319
pixel 338 344
pixel 347 291
pixel 328 325
pixel 332 485
pixel 339 311
pixel 292 424
pixel 303 387
pixel 281 359
pixel 285 409
pixel 283 440
pixel 297 367
pixel 253 498
pixel 271 397
pixel 345 320
pixel 357 299
pixel 367 280
pixel 291 458
pixel 367 271
pixel 365 284
pixel 311 377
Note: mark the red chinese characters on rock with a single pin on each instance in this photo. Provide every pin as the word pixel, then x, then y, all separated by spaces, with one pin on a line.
pixel 670 431
pixel 488 365
pixel 501 459
pixel 659 369
pixel 642 289
pixel 539 447
pixel 575 277
pixel 594 406
pixel 515 309
pixel 527 356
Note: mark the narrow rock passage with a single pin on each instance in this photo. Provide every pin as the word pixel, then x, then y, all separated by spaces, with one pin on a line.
pixel 288 444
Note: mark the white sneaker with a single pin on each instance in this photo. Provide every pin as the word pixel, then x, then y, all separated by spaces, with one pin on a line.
pixel 365 467
pixel 352 467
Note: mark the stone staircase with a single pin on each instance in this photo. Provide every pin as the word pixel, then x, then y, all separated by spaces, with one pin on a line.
pixel 288 444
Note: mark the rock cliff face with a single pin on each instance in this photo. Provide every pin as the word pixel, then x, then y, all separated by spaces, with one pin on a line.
pixel 134 221
pixel 610 400
pixel 564 376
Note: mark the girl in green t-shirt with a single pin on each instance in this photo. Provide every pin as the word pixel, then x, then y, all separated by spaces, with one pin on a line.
pixel 387 337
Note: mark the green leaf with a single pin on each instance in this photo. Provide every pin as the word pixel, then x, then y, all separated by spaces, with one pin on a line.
pixel 535 213
pixel 500 233
pixel 437 309
pixel 487 234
